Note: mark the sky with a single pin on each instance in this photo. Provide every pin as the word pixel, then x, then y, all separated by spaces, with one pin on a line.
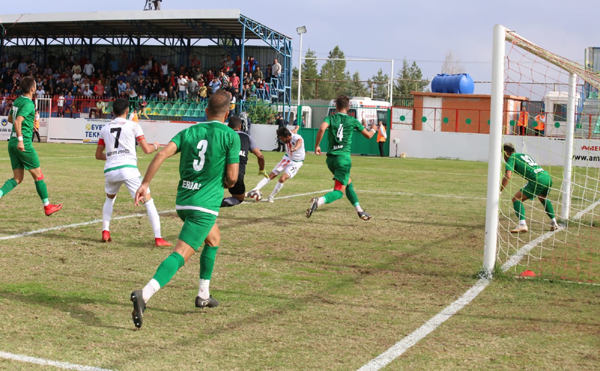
pixel 422 31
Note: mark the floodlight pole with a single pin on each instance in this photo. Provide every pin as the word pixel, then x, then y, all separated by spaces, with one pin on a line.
pixel 301 31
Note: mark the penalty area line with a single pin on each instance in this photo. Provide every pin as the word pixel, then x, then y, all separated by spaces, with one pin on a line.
pixel 47 362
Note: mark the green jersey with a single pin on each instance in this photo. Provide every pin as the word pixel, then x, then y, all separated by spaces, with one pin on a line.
pixel 24 107
pixel 524 165
pixel 206 150
pixel 341 127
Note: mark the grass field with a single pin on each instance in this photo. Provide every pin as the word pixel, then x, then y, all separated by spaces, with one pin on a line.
pixel 328 293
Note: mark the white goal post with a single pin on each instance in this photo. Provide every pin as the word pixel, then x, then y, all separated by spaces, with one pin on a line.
pixel 565 68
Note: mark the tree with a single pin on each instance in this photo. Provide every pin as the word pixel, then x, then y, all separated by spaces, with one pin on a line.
pixel 410 78
pixel 380 85
pixel 310 73
pixel 356 88
pixel 335 72
pixel 452 64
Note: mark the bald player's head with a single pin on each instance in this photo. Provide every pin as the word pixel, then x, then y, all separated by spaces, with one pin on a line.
pixel 218 106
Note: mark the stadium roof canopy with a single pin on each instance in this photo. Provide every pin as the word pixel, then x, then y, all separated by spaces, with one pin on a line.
pixel 227 28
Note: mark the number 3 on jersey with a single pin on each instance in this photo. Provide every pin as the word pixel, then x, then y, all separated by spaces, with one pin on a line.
pixel 202 145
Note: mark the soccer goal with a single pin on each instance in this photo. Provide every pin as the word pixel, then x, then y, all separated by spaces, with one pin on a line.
pixel 547 107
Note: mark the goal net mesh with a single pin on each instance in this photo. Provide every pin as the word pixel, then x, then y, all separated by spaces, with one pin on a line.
pixel 536 90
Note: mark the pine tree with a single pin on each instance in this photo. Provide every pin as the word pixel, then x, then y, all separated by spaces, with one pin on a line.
pixel 380 85
pixel 410 78
pixel 335 72
pixel 357 88
pixel 310 73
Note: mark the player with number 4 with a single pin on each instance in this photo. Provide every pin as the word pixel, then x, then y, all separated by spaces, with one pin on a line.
pixel 118 137
pixel 539 183
pixel 341 127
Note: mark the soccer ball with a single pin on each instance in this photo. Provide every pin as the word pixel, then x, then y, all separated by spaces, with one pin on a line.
pixel 255 194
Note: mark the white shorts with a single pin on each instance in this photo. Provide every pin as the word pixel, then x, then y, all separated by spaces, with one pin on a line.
pixel 132 184
pixel 288 166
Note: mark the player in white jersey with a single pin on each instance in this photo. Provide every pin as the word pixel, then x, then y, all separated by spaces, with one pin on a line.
pixel 118 138
pixel 290 163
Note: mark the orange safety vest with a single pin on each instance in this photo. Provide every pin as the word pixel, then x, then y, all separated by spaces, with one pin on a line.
pixel 523 118
pixel 380 137
pixel 36 121
pixel 540 121
pixel 133 117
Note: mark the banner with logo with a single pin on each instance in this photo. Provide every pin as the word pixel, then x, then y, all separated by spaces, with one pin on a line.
pixel 5 128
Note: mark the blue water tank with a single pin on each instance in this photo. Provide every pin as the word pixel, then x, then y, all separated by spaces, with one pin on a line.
pixel 454 84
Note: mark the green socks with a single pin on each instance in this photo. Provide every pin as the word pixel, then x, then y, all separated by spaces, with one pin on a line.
pixel 519 209
pixel 8 186
pixel 333 196
pixel 40 187
pixel 167 269
pixel 352 197
pixel 207 261
pixel 549 209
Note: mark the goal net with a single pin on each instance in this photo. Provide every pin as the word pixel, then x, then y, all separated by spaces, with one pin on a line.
pixel 549 111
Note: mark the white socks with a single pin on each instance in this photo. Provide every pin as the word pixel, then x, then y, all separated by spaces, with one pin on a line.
pixel 153 216
pixel 554 221
pixel 262 183
pixel 277 188
pixel 151 288
pixel 321 201
pixel 358 208
pixel 203 292
pixel 523 223
pixel 107 213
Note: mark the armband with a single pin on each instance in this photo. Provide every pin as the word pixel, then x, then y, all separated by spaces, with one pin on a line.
pixel 155 146
pixel 20 139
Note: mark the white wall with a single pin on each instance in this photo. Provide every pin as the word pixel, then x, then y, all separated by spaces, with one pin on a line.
pixel 81 130
pixel 474 147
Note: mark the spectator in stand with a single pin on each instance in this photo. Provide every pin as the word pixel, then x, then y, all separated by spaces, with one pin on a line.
pixel 99 89
pixel 182 83
pixel 252 88
pixel 229 63
pixel 235 81
pixel 84 84
pixel 164 67
pixel 202 92
pixel 132 93
pixel 209 76
pixel 224 80
pixel 154 89
pixel 88 69
pixel 60 103
pixel 215 85
pixel 275 69
pixel 193 88
pixel 238 65
pixel 171 93
pixel 197 74
pixel 257 75
pixel 195 62
pixel 523 121
pixel 269 72
pixel 76 68
pixel 250 65
pixel 114 65
pixel 22 67
pixel 162 95
pixel 40 91
pixel 87 92
pixel 69 103
pixel 122 86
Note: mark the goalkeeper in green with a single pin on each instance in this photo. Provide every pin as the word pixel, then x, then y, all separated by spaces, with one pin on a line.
pixel 539 184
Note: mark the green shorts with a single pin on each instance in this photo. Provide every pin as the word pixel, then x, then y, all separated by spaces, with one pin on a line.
pixel 23 160
pixel 340 168
pixel 539 187
pixel 196 227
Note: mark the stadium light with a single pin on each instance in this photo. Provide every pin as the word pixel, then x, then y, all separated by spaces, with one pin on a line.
pixel 301 31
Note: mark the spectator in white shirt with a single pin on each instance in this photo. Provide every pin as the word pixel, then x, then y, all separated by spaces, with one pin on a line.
pixel 88 69
pixel 182 82
pixel 87 92
pixel 162 94
pixel 76 76
pixel 40 92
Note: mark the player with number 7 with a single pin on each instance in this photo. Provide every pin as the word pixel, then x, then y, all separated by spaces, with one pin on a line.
pixel 118 138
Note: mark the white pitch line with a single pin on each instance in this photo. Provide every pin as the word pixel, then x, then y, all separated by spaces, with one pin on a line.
pixel 47 362
pixel 422 194
pixel 403 345
pixel 53 158
pixel 122 217
pixel 75 225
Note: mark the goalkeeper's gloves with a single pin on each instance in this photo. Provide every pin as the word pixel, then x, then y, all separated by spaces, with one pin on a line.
pixel 263 173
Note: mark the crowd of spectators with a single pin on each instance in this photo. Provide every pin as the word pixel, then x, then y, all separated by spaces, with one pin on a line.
pixel 69 80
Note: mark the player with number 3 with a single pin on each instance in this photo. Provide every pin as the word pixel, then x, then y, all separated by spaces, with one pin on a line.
pixel 209 162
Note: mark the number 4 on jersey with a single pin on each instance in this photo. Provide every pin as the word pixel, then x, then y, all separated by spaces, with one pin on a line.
pixel 340 133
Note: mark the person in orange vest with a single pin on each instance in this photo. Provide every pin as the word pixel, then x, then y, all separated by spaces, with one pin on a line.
pixel 381 136
pixel 540 121
pixel 522 121
pixel 133 116
pixel 36 127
